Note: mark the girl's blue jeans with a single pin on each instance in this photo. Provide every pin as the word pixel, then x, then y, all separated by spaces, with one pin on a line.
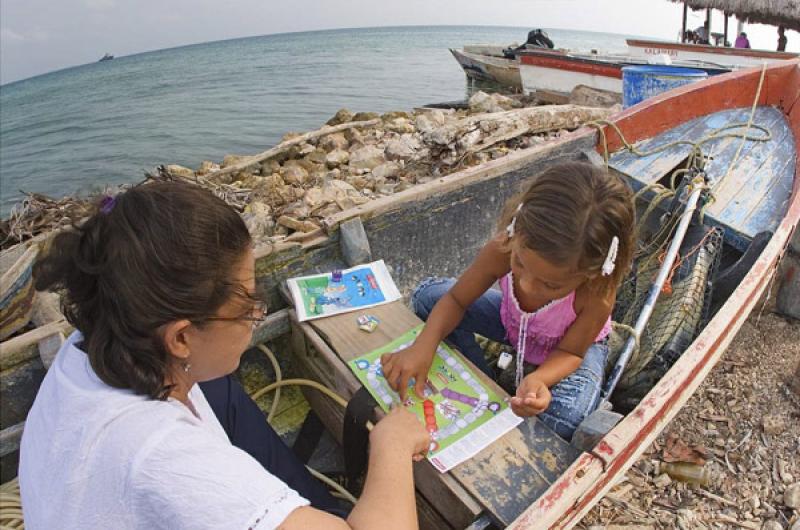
pixel 573 398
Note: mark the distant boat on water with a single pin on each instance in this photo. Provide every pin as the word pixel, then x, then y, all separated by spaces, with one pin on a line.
pixel 106 57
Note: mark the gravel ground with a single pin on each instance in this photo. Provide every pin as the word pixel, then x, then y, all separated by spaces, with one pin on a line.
pixel 744 421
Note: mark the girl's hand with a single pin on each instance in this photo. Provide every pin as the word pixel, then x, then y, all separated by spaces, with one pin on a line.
pixel 403 430
pixel 533 397
pixel 399 367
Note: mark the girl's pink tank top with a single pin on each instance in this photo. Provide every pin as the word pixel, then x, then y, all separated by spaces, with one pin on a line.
pixel 537 334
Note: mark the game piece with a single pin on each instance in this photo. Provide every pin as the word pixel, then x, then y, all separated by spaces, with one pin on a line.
pixel 504 361
pixel 336 276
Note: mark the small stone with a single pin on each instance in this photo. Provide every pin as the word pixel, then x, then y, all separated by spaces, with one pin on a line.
pixel 180 171
pixel 207 166
pixel 336 158
pixel 230 160
pixel 291 135
pixel 685 519
pixel 662 481
pixel 773 424
pixel 754 502
pixel 294 174
pixel 399 125
pixel 395 114
pixel 333 142
pixel 268 167
pixel 771 525
pixel 402 148
pixel 315 198
pixel 366 116
pixel 791 496
pixel 367 157
pixel 386 170
pixel 343 116
pixel 317 156
pixel 296 224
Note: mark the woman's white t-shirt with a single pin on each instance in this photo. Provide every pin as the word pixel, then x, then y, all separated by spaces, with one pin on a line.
pixel 93 456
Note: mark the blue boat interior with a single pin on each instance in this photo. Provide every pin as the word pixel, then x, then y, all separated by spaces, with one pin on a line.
pixel 751 178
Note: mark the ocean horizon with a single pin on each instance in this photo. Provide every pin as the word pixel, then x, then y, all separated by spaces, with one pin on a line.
pixel 82 128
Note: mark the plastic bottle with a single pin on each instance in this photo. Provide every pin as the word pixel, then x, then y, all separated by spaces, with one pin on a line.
pixel 687 472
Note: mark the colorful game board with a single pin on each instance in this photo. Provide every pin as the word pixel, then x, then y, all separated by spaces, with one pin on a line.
pixel 461 413
pixel 322 295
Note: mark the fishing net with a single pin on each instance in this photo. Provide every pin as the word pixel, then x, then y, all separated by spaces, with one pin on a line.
pixel 680 313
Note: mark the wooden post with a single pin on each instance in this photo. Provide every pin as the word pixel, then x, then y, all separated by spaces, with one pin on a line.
pixel 683 27
pixel 725 37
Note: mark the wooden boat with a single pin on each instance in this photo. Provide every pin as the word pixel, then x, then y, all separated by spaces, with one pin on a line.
pixel 560 71
pixel 485 63
pixel 437 228
pixel 732 58
pixel 16 288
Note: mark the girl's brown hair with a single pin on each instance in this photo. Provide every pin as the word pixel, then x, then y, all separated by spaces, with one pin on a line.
pixel 569 216
pixel 156 253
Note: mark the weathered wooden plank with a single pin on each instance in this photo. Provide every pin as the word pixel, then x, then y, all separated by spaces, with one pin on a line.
pixel 10 438
pixel 18 388
pixel 275 325
pixel 531 458
pixel 745 181
pixel 773 203
pixel 649 169
pixel 23 348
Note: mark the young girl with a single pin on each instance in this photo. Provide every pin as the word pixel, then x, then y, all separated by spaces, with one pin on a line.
pixel 137 423
pixel 561 250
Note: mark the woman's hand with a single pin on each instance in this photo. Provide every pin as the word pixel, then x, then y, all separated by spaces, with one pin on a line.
pixel 403 430
pixel 533 397
pixel 399 367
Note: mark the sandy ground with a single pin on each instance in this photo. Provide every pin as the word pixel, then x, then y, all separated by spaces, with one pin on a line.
pixel 745 421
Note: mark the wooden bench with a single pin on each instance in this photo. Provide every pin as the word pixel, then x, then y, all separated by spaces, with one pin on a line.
pixel 497 484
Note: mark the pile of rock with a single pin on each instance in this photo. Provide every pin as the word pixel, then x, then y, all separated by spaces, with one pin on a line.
pixel 295 187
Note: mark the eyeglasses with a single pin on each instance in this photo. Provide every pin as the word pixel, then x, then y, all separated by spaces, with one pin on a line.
pixel 256 316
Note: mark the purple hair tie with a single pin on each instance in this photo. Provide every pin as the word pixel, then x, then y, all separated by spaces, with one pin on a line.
pixel 107 204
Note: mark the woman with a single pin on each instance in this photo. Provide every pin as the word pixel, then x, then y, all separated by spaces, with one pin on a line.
pixel 160 285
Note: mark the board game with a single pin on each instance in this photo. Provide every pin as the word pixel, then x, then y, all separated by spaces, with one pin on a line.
pixel 322 295
pixel 461 413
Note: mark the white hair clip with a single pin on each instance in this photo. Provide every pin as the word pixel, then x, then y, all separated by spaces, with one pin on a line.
pixel 611 257
pixel 513 223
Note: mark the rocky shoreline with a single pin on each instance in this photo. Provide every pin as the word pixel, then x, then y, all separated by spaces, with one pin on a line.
pixel 289 190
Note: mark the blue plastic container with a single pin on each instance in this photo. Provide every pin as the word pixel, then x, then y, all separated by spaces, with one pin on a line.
pixel 642 82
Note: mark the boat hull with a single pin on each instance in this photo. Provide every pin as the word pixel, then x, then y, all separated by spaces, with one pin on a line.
pixel 489 68
pixel 560 72
pixel 733 58
pixel 593 474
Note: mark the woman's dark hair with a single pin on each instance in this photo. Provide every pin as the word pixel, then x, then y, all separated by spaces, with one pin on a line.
pixel 157 253
pixel 569 215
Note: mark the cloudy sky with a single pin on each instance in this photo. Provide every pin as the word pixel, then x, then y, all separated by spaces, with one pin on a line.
pixel 37 36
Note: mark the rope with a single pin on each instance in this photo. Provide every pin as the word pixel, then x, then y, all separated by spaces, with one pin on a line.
pixel 280 383
pixel 278 376
pixel 11 517
pixel 338 488
pixel 619 326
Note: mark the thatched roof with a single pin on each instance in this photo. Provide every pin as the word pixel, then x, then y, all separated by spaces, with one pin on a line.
pixel 774 12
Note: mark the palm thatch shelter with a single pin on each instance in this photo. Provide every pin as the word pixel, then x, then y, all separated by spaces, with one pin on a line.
pixel 784 13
